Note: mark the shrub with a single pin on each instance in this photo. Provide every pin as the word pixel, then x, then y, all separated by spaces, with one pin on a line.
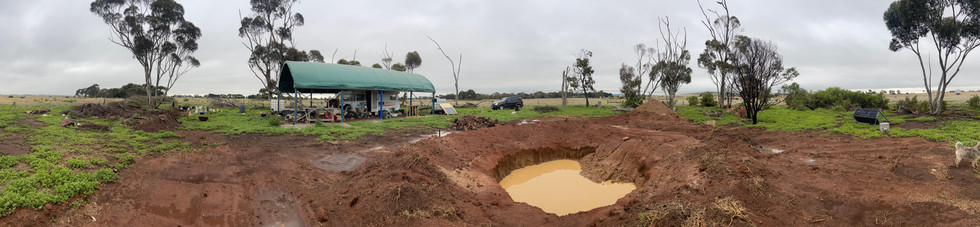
pixel 912 104
pixel 845 99
pixel 633 102
pixel 274 121
pixel 796 97
pixel 708 99
pixel 693 101
pixel 974 102
pixel 544 109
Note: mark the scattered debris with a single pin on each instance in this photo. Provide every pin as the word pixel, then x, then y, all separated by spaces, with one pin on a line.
pixel 545 109
pixel 37 111
pixel 473 122
pixel 67 122
pixel 223 103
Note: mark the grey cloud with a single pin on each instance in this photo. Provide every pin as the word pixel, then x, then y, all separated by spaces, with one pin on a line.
pixel 57 46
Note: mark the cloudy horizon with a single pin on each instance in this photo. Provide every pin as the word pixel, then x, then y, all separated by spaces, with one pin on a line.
pixel 57 46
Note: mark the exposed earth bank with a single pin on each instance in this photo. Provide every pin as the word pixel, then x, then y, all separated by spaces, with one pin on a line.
pixel 684 173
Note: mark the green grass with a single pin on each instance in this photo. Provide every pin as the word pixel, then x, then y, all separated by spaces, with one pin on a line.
pixel 230 122
pixel 783 119
pixel 68 161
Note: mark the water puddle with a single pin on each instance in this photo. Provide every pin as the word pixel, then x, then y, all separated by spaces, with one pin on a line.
pixel 557 187
pixel 437 134
pixel 339 162
pixel 278 209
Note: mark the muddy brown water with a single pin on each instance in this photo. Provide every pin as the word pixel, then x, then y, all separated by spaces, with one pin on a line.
pixel 558 187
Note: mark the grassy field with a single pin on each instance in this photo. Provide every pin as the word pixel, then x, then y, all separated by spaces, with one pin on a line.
pixel 783 119
pixel 65 162
pixel 231 122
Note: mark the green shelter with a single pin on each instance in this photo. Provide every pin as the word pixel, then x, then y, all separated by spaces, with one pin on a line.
pixel 311 77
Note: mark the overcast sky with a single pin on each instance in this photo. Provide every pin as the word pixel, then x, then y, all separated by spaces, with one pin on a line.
pixel 58 46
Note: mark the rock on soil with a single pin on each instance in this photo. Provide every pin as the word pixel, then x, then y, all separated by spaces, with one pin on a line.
pixel 473 122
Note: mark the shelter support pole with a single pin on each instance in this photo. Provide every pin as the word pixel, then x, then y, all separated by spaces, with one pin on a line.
pixel 381 104
pixel 433 111
pixel 342 112
pixel 295 105
pixel 410 94
pixel 311 99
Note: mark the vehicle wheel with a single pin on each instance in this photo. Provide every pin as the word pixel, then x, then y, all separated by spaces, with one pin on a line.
pixel 517 108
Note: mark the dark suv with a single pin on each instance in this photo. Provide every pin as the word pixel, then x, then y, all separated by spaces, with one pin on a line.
pixel 512 102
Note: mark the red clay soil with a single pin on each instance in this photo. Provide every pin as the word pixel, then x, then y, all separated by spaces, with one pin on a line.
pixel 685 174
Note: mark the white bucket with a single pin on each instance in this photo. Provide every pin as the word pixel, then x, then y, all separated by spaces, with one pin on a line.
pixel 883 126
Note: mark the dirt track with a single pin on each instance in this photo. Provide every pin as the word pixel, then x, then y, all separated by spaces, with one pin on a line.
pixel 683 173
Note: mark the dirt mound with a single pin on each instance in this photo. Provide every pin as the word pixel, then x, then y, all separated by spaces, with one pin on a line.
pixel 472 122
pixel 136 116
pixel 164 120
pixel 113 109
pixel 656 110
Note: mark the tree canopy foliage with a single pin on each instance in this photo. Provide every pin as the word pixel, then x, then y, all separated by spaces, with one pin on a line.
pixel 126 91
pixel 157 35
pixel 268 32
pixel 412 61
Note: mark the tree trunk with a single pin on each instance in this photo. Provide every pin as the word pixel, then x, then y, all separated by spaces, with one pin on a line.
pixel 586 97
pixel 721 91
pixel 148 71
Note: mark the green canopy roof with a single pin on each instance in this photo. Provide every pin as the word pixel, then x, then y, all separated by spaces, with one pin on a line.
pixel 311 77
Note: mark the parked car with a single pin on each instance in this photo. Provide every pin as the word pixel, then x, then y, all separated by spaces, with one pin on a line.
pixel 512 102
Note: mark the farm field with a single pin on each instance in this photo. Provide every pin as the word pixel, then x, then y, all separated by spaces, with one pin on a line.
pixel 239 169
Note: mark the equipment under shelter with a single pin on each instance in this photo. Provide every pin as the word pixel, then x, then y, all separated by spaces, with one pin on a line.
pixel 359 91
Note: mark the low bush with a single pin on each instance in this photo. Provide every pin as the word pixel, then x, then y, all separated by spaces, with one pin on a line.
pixel 796 97
pixel 845 99
pixel 693 101
pixel 974 102
pixel 274 121
pixel 708 99
pixel 913 104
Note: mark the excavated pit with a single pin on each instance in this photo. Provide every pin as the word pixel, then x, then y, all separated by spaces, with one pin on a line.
pixel 555 181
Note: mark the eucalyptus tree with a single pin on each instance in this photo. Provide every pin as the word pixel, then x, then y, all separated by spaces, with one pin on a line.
pixel 952 27
pixel 671 61
pixel 158 36
pixel 717 55
pixel 582 78
pixel 268 33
